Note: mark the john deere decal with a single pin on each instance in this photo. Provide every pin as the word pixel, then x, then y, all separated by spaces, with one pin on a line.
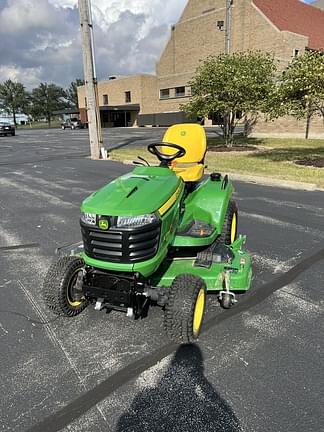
pixel 103 224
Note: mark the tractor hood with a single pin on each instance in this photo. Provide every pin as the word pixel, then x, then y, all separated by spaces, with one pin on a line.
pixel 143 191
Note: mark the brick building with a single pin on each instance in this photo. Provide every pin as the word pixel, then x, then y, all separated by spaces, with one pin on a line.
pixel 319 4
pixel 285 28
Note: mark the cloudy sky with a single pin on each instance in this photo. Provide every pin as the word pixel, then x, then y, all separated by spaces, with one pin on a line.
pixel 40 39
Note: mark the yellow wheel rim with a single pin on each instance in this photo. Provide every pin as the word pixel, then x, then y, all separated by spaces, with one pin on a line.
pixel 69 299
pixel 233 228
pixel 199 312
pixel 74 303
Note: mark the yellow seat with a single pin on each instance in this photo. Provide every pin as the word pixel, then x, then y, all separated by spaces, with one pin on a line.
pixel 190 174
pixel 192 138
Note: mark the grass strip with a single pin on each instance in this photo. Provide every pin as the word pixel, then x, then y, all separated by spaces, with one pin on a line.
pixel 273 158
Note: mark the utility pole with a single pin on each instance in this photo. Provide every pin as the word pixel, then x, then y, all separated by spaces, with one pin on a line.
pixel 93 113
pixel 228 34
pixel 228 26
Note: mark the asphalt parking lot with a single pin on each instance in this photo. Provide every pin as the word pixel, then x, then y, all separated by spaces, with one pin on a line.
pixel 257 369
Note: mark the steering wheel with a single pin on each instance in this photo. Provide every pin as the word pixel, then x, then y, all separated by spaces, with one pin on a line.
pixel 165 159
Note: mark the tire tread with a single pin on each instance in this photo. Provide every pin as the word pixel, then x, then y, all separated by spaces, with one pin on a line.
pixel 179 311
pixel 225 236
pixel 54 290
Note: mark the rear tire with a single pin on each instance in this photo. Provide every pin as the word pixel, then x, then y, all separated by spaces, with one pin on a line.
pixel 229 232
pixel 59 286
pixel 185 309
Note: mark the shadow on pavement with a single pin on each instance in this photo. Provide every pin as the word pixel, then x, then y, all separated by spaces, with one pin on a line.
pixel 182 400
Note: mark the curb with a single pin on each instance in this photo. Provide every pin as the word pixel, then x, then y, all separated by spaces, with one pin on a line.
pixel 264 181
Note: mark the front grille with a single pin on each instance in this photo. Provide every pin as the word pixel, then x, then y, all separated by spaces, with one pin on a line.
pixel 124 246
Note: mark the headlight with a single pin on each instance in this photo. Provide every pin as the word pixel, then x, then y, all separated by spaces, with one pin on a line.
pixel 135 221
pixel 89 218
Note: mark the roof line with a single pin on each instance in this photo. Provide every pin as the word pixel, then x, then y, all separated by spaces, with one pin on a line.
pixel 265 17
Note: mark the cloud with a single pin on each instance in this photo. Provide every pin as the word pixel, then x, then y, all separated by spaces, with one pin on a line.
pixel 30 77
pixel 40 39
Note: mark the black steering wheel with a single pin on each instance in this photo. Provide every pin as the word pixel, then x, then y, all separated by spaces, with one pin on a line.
pixel 165 159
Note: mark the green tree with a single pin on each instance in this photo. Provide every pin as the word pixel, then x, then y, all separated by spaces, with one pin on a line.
pixel 301 89
pixel 233 85
pixel 72 92
pixel 13 98
pixel 46 99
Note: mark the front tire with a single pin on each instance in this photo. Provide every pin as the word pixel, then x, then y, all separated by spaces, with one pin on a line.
pixel 185 309
pixel 59 288
pixel 229 232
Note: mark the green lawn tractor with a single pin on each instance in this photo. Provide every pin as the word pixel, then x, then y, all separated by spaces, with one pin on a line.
pixel 160 235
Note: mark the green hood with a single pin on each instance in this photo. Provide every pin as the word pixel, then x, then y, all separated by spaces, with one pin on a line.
pixel 142 191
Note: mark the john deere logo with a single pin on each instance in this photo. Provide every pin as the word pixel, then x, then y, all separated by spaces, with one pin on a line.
pixel 103 224
pixel 183 133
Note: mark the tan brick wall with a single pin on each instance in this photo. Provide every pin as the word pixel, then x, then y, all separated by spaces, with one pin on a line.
pixel 138 85
pixel 115 89
pixel 195 8
pixel 289 126
pixel 150 95
pixel 253 31
pixel 195 37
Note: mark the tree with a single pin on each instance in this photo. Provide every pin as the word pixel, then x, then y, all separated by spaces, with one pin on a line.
pixel 13 98
pixel 233 85
pixel 301 90
pixel 46 99
pixel 72 92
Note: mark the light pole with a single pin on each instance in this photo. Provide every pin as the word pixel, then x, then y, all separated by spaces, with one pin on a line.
pixel 93 113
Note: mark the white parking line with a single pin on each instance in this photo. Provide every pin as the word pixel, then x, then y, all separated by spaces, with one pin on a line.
pixel 318 210
pixel 282 224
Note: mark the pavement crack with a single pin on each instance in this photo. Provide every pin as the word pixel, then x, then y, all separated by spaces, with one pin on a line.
pixel 304 299
pixel 22 246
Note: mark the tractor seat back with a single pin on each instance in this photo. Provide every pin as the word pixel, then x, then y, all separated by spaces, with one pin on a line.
pixel 192 138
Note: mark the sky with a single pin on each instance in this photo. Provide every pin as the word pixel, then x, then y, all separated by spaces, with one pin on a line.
pixel 40 39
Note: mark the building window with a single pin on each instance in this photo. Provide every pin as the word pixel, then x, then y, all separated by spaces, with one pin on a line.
pixel 164 93
pixel 105 99
pixel 128 97
pixel 296 52
pixel 180 91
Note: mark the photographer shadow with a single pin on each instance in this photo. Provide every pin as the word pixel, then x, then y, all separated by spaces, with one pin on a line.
pixel 183 400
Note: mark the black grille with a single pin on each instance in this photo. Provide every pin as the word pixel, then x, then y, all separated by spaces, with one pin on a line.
pixel 125 246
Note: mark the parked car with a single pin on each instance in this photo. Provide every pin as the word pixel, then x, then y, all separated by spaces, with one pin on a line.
pixel 73 123
pixel 7 129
